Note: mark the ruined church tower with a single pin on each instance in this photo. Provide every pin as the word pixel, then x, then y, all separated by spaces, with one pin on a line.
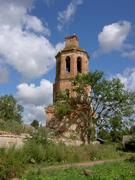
pixel 70 62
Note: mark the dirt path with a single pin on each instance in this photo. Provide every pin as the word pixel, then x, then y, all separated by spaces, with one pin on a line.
pixel 78 165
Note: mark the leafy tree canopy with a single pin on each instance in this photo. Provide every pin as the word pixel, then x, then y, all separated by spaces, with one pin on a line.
pixel 10 110
pixel 108 98
pixel 102 103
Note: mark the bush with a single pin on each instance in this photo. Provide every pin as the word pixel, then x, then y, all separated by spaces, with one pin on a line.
pixel 10 163
pixel 13 161
pixel 10 109
pixel 33 152
pixel 62 108
pixel 35 123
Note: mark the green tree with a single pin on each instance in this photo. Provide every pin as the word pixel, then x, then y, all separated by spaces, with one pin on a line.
pixel 10 110
pixel 101 103
pixel 35 123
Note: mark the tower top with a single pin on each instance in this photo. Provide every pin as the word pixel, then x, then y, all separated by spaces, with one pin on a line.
pixel 70 62
pixel 71 42
pixel 71 45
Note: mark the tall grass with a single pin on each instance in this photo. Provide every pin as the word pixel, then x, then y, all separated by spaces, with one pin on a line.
pixel 13 162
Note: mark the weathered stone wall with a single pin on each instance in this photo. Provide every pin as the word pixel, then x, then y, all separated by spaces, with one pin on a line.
pixel 8 139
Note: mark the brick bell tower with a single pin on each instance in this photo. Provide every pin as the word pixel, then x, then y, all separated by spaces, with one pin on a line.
pixel 70 62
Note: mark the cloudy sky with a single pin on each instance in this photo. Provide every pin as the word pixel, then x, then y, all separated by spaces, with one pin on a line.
pixel 33 31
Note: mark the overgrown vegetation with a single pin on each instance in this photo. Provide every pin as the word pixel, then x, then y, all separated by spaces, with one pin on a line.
pixel 35 123
pixel 107 106
pixel 11 116
pixel 101 103
pixel 15 127
pixel 40 151
pixel 10 110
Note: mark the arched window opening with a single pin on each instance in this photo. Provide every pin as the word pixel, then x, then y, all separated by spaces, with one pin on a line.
pixel 68 64
pixel 79 65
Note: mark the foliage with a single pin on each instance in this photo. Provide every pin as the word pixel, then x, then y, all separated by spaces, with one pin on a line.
pixel 39 150
pixel 101 103
pixel 40 136
pixel 13 161
pixel 62 109
pixel 10 163
pixel 10 110
pixel 62 106
pixel 35 123
pixel 14 127
pixel 111 171
pixel 104 134
pixel 11 126
pixel 111 104
pixel 132 130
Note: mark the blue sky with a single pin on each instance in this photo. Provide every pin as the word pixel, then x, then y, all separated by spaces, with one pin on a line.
pixel 33 31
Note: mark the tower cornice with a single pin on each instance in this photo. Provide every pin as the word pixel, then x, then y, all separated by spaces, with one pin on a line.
pixel 73 50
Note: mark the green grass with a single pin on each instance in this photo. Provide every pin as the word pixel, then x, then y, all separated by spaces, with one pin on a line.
pixel 108 171
pixel 39 152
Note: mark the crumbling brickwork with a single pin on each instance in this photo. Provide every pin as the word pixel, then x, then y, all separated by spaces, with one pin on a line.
pixel 70 62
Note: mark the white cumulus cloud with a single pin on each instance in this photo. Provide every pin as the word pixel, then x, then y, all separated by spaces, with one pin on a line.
pixel 34 99
pixel 66 16
pixel 128 78
pixel 34 23
pixel 32 94
pixel 114 35
pixel 113 38
pixel 32 112
pixel 23 44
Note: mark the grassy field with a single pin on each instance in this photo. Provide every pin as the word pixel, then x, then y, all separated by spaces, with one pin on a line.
pixel 38 153
pixel 108 171
pixel 15 162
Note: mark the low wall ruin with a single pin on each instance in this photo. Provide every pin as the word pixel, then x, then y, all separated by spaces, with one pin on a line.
pixel 9 139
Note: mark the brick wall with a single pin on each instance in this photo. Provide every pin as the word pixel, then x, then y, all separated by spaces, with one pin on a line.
pixel 63 78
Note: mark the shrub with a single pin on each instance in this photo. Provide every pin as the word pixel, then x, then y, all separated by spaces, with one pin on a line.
pixel 33 151
pixel 35 123
pixel 10 163
pixel 62 108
